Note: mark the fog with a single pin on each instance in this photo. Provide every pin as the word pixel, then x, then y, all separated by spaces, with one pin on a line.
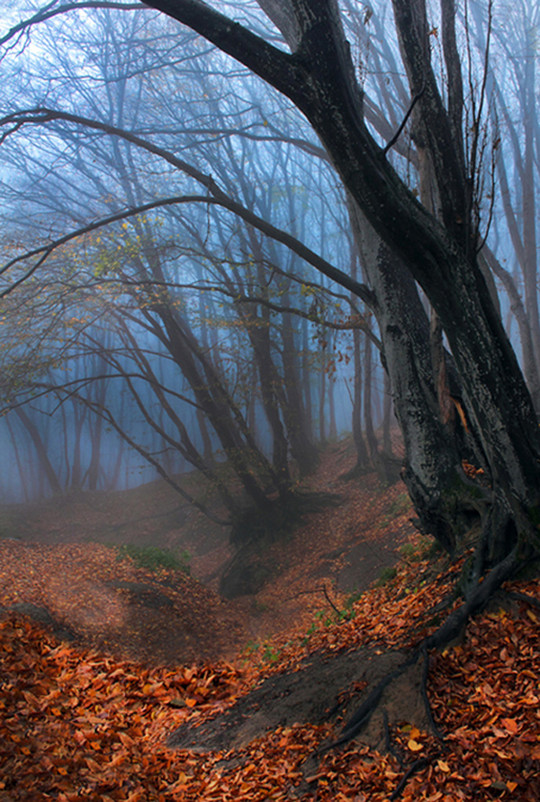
pixel 169 230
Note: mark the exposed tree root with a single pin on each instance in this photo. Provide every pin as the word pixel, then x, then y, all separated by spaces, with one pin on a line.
pixel 358 721
pixel 524 597
pixel 431 615
pixel 326 684
pixel 452 627
pixel 390 748
pixel 425 697
pixel 418 765
pixel 477 599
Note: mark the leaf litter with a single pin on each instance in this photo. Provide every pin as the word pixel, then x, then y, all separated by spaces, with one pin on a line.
pixel 80 721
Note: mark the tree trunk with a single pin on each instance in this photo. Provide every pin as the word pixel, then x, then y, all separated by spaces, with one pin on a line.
pixel 45 464
pixel 362 456
pixel 371 439
pixel 258 331
pixel 319 78
pixel 432 459
pixel 303 449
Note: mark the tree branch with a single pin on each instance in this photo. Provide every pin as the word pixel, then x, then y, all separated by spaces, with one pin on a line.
pixel 268 62
pixel 396 136
pixel 42 116
pixel 49 12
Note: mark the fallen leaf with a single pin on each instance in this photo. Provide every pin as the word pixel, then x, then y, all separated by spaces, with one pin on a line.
pixel 414 746
pixel 511 725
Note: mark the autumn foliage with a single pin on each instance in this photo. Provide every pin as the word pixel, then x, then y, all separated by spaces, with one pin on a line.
pixel 77 723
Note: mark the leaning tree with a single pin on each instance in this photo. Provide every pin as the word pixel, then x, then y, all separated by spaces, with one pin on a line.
pixel 432 239
pixel 439 247
pixel 437 241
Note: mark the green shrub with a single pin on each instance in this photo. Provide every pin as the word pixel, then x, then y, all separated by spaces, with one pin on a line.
pixel 385 576
pixel 409 551
pixel 154 557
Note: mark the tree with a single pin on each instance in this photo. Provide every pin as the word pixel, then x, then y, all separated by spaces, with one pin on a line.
pixel 516 172
pixel 146 273
pixel 318 76
pixel 433 243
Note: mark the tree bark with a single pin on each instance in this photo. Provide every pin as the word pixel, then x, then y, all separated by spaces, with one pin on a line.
pixel 441 256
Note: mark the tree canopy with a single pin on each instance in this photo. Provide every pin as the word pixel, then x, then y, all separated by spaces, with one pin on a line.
pixel 199 236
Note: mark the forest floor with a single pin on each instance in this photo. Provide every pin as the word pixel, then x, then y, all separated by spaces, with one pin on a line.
pixel 123 677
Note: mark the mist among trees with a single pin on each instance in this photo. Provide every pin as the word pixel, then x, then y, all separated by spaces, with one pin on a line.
pixel 236 232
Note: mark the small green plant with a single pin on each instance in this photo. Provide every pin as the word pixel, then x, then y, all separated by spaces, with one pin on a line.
pixel 399 505
pixel 309 632
pixel 426 547
pixel 353 598
pixel 346 614
pixel 410 552
pixel 385 576
pixel 270 654
pixel 154 558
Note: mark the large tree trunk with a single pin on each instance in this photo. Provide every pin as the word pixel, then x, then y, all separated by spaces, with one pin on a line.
pixel 303 448
pixel 362 456
pixel 529 352
pixel 319 78
pixel 371 438
pixel 432 458
pixel 244 456
pixel 441 260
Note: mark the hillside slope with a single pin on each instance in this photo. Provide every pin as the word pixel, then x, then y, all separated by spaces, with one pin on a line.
pixel 70 560
pixel 81 721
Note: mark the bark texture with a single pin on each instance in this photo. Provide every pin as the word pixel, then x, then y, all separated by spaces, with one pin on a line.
pixel 441 256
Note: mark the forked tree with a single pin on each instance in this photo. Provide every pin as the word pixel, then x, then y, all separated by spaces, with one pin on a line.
pixel 405 240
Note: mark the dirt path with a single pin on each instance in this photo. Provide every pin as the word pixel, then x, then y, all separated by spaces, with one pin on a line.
pixel 60 563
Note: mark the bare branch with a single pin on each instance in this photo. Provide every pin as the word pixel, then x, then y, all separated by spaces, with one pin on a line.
pixel 50 11
pixel 396 136
pixel 272 64
pixel 220 198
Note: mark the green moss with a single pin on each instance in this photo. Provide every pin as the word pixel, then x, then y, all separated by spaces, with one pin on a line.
pixel 353 598
pixel 409 551
pixel 426 547
pixel 399 506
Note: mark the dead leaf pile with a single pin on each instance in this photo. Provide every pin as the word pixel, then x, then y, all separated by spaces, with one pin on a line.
pixel 78 725
pixel 95 598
